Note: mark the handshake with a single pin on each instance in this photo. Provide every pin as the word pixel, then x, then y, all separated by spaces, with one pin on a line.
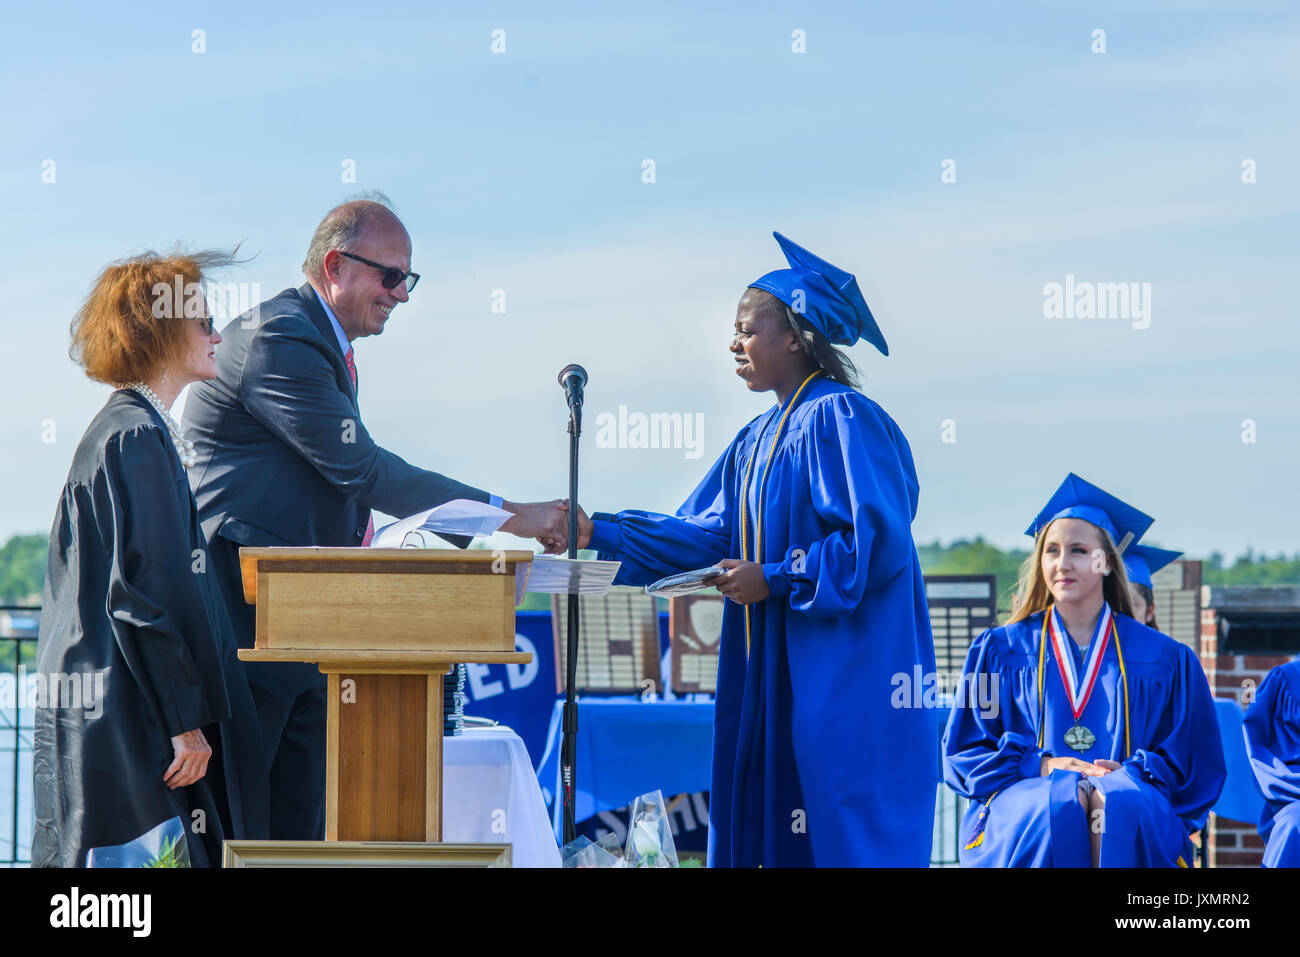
pixel 548 522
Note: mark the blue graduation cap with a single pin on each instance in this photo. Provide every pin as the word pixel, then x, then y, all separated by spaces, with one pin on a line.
pixel 1142 561
pixel 825 295
pixel 1079 499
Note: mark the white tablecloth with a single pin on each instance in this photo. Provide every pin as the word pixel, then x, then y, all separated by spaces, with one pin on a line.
pixel 490 795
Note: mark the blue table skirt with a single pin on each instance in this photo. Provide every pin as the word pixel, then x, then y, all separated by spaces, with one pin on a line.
pixel 627 747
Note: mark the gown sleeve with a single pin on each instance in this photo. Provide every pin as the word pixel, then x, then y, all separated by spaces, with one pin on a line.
pixel 652 546
pixel 1185 758
pixel 1272 730
pixel 981 753
pixel 154 598
pixel 863 482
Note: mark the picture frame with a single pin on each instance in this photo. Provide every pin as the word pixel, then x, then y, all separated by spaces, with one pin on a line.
pixel 362 854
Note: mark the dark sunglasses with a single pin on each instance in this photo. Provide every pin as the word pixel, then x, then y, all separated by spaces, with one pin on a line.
pixel 209 324
pixel 392 275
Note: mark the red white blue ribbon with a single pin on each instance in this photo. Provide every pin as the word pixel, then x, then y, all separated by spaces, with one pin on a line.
pixel 1077 690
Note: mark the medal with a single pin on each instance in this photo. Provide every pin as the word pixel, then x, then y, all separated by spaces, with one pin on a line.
pixel 1079 690
pixel 1080 738
pixel 1078 731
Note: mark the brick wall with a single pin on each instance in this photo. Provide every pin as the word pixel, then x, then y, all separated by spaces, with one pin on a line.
pixel 1238 676
pixel 1234 843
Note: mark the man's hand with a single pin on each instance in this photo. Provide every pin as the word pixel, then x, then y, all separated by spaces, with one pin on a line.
pixel 548 522
pixel 743 582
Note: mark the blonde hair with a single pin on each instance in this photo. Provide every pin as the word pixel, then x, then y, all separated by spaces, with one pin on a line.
pixel 1033 595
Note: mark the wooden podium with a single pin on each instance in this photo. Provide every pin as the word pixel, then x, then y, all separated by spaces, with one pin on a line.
pixel 385 624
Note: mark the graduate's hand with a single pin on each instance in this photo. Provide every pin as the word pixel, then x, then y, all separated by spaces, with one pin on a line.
pixel 1087 769
pixel 191 759
pixel 545 521
pixel 584 524
pixel 742 582
pixel 1108 764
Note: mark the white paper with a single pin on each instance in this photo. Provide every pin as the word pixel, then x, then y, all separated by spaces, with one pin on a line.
pixel 459 517
pixel 553 575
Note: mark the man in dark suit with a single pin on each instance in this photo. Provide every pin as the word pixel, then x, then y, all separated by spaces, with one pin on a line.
pixel 283 459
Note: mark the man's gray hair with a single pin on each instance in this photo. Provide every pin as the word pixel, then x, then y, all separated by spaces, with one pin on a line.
pixel 342 227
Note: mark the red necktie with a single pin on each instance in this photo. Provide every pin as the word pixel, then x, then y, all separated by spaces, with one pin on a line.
pixel 352 368
pixel 352 374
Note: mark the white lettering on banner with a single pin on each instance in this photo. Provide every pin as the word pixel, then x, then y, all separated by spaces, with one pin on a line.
pixel 680 815
pixel 521 676
pixel 518 676
pixel 480 689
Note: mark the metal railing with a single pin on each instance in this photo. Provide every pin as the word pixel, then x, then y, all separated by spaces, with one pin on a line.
pixel 19 625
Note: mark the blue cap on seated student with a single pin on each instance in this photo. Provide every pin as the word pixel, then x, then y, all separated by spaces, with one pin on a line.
pixel 1080 536
pixel 1077 498
pixel 1141 562
pixel 825 296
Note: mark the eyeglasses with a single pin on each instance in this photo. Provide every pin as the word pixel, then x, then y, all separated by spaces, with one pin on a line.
pixel 392 275
pixel 208 324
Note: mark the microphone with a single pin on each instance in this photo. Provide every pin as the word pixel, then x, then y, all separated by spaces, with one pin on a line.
pixel 573 379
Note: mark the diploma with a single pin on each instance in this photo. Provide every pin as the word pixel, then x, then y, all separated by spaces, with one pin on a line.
pixel 685 583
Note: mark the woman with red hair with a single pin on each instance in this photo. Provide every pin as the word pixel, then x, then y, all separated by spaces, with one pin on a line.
pixel 146 719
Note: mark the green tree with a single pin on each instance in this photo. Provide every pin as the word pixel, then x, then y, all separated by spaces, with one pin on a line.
pixel 22 569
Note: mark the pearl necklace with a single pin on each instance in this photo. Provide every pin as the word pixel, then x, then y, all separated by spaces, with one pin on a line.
pixel 183 446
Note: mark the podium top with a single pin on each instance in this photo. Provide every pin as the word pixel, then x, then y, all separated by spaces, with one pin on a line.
pixel 423 561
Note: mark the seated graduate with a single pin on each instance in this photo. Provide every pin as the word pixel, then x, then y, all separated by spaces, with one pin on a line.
pixel 1141 562
pixel 809 511
pixel 163 725
pixel 1272 729
pixel 1103 748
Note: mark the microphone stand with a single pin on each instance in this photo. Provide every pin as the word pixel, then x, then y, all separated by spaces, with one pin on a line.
pixel 569 741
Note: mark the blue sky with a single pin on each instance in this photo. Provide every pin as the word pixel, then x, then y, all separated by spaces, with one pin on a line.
pixel 522 172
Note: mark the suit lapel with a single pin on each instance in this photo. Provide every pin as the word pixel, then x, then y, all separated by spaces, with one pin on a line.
pixel 323 325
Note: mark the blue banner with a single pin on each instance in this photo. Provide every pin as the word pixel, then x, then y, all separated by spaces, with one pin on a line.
pixel 520 696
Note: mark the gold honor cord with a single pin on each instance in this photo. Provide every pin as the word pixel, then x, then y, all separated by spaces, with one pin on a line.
pixel 1042 645
pixel 762 483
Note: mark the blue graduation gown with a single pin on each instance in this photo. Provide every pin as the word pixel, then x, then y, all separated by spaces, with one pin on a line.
pixel 812 764
pixel 1272 729
pixel 1172 776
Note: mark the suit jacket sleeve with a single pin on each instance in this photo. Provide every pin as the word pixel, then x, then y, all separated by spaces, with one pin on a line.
pixel 288 384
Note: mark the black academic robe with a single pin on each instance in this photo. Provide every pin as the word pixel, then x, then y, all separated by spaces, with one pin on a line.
pixel 131 621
